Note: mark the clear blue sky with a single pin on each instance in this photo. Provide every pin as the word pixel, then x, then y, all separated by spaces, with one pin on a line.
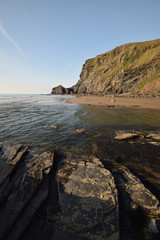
pixel 44 43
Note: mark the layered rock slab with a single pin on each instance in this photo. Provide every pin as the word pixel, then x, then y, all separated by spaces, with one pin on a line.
pixel 23 187
pixel 126 136
pixel 141 209
pixel 88 199
pixel 10 156
pixel 134 194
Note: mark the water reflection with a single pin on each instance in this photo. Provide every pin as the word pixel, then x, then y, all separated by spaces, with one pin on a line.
pixel 127 118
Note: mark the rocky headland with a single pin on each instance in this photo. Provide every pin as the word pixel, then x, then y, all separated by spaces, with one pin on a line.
pixel 108 189
pixel 128 70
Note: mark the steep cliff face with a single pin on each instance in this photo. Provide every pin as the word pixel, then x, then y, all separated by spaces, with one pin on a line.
pixel 130 68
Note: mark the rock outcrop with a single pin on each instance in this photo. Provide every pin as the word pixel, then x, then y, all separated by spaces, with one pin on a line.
pixel 155 137
pixel 88 199
pixel 128 70
pixel 126 136
pixel 61 90
pixel 50 196
pixel 134 194
pixel 23 187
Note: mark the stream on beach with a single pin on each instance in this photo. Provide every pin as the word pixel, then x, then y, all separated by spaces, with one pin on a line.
pixel 27 119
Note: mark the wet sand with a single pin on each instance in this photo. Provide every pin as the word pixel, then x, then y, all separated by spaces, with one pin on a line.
pixel 148 103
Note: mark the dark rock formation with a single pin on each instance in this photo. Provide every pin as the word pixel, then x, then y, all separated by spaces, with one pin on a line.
pixel 134 194
pixel 86 205
pixel 88 199
pixel 50 196
pixel 23 177
pixel 155 137
pixel 131 69
pixel 61 90
pixel 58 90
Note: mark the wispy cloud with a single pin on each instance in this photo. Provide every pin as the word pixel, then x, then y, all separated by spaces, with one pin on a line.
pixel 6 35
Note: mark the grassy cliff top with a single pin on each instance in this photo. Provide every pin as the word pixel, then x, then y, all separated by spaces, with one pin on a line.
pixel 127 59
pixel 128 55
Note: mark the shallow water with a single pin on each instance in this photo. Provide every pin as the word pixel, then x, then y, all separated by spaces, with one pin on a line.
pixel 121 118
pixel 26 119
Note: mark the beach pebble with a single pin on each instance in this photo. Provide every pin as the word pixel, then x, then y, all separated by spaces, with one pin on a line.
pixel 155 137
pixel 126 136
pixel 80 130
pixel 54 127
pixel 150 135
pixel 154 143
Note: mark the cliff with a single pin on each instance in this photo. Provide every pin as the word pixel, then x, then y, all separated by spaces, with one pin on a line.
pixel 128 69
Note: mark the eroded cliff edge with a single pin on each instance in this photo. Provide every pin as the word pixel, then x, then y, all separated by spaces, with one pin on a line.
pixel 128 69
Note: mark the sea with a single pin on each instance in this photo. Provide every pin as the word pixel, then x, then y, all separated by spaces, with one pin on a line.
pixel 28 119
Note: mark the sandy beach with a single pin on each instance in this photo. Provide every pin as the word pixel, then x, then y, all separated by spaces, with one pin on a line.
pixel 148 103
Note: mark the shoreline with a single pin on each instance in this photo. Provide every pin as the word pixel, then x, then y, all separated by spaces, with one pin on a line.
pixel 109 101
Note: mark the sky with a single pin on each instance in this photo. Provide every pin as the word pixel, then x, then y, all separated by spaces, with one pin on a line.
pixel 44 43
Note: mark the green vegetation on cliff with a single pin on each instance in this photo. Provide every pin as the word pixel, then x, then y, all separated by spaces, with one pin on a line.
pixel 130 68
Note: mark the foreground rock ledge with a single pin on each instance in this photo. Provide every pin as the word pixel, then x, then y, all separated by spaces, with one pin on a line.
pixel 47 196
pixel 88 199
pixel 23 175
pixel 134 194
